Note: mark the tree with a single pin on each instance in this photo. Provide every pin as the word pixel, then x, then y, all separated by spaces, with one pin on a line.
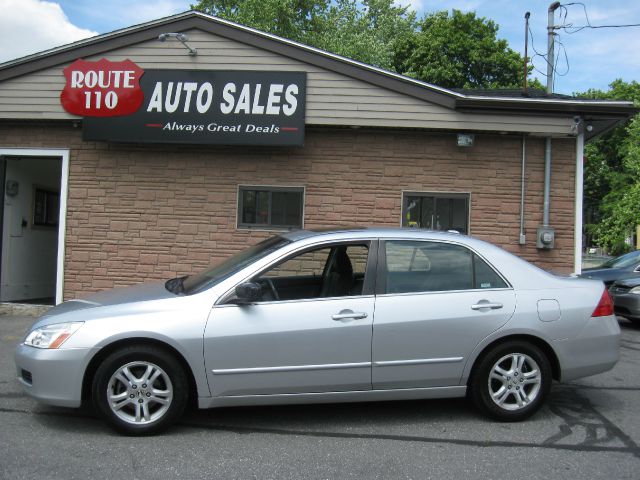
pixel 459 50
pixel 293 19
pixel 612 175
pixel 367 30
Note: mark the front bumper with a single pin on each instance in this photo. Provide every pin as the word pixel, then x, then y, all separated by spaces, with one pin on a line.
pixel 54 376
pixel 595 349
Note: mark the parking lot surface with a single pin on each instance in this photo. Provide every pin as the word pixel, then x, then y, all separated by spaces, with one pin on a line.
pixel 589 428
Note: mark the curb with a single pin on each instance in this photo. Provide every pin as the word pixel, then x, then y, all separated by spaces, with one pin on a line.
pixel 23 309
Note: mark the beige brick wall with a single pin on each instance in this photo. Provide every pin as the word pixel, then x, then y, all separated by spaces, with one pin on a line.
pixel 142 212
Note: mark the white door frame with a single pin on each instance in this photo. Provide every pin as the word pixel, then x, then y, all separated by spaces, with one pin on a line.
pixel 62 153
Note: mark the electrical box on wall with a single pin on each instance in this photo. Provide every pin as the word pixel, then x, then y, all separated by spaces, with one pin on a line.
pixel 12 188
pixel 545 238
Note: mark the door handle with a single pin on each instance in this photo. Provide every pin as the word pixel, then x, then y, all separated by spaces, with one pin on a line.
pixel 348 315
pixel 481 305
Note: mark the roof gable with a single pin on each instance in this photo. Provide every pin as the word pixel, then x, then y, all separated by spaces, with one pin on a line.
pixel 370 97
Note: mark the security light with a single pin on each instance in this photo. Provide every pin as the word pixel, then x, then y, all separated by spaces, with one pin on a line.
pixel 181 37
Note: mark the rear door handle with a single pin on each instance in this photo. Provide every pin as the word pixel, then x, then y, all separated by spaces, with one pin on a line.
pixel 348 315
pixel 488 305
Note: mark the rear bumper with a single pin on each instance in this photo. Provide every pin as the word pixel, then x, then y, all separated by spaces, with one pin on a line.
pixel 53 377
pixel 595 349
pixel 627 304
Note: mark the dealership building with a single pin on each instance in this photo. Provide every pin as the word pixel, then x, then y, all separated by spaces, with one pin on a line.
pixel 157 150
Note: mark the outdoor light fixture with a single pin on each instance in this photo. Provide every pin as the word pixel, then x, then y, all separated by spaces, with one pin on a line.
pixel 465 139
pixel 181 37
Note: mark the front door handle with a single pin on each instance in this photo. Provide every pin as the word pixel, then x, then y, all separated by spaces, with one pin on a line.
pixel 348 315
pixel 488 305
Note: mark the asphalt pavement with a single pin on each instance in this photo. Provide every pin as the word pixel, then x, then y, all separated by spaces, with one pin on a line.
pixel 589 429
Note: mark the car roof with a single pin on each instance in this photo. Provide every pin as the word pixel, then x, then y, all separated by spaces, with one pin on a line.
pixel 368 232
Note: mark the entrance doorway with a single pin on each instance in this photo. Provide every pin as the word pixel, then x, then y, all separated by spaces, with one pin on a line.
pixel 32 216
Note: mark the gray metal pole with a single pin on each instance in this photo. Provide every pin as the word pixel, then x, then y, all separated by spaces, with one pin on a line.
pixel 550 45
pixel 547 150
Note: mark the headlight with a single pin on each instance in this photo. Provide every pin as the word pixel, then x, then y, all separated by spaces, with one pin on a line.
pixel 635 290
pixel 51 336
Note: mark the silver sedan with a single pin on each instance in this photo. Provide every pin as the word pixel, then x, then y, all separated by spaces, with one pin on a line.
pixel 310 317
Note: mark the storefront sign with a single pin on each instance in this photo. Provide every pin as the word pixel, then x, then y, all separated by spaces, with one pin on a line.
pixel 195 106
pixel 102 88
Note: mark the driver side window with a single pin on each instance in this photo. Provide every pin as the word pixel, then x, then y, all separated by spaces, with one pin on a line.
pixel 333 271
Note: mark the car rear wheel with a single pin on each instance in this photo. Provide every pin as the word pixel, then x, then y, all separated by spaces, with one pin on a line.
pixel 140 390
pixel 511 381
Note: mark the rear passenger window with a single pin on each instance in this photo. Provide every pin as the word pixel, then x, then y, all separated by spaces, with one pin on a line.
pixel 485 276
pixel 436 267
pixel 427 267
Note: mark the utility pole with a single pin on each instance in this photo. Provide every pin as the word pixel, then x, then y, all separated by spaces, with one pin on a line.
pixel 550 45
pixel 546 233
pixel 526 48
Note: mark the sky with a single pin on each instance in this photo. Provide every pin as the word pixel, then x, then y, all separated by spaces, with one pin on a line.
pixel 594 57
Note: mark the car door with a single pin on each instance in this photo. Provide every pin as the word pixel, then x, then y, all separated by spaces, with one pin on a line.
pixel 436 302
pixel 309 332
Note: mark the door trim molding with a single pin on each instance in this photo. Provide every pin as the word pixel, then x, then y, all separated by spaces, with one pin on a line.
pixel 417 361
pixel 290 368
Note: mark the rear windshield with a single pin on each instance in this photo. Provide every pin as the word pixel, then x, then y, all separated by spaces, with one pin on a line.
pixel 201 281
pixel 623 261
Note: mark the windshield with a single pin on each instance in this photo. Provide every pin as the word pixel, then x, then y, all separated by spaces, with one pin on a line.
pixel 201 281
pixel 623 261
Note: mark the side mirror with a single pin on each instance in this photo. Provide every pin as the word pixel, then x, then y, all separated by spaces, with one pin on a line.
pixel 247 293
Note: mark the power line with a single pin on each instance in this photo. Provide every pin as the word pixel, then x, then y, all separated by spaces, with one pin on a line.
pixel 571 29
pixel 537 54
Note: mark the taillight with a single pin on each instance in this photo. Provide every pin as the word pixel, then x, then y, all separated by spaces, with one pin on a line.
pixel 605 306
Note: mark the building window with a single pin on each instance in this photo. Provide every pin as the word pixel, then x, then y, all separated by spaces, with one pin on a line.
pixel 270 207
pixel 436 211
pixel 46 207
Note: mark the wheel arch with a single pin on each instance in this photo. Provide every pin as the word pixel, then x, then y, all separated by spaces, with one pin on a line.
pixel 105 351
pixel 537 341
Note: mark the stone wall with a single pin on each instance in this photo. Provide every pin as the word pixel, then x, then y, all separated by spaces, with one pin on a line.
pixel 145 212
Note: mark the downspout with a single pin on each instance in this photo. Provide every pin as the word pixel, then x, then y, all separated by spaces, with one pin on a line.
pixel 523 237
pixel 577 235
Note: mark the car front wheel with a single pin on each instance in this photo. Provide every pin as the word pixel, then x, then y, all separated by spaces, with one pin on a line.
pixel 140 390
pixel 511 381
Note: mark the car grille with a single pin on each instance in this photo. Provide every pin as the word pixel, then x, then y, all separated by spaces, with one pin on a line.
pixel 26 376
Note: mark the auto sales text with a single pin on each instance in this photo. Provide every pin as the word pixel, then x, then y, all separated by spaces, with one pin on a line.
pixel 248 98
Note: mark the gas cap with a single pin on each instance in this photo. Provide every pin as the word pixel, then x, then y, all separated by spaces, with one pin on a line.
pixel 548 310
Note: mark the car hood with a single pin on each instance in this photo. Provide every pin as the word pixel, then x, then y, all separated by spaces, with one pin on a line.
pixel 137 293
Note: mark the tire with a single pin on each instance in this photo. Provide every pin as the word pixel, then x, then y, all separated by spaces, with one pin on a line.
pixel 140 390
pixel 511 382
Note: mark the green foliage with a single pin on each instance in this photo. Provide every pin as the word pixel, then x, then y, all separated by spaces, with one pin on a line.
pixel 459 50
pixel 367 30
pixel 292 19
pixel 612 175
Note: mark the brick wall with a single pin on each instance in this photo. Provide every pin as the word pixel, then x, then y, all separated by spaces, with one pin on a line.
pixel 141 212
